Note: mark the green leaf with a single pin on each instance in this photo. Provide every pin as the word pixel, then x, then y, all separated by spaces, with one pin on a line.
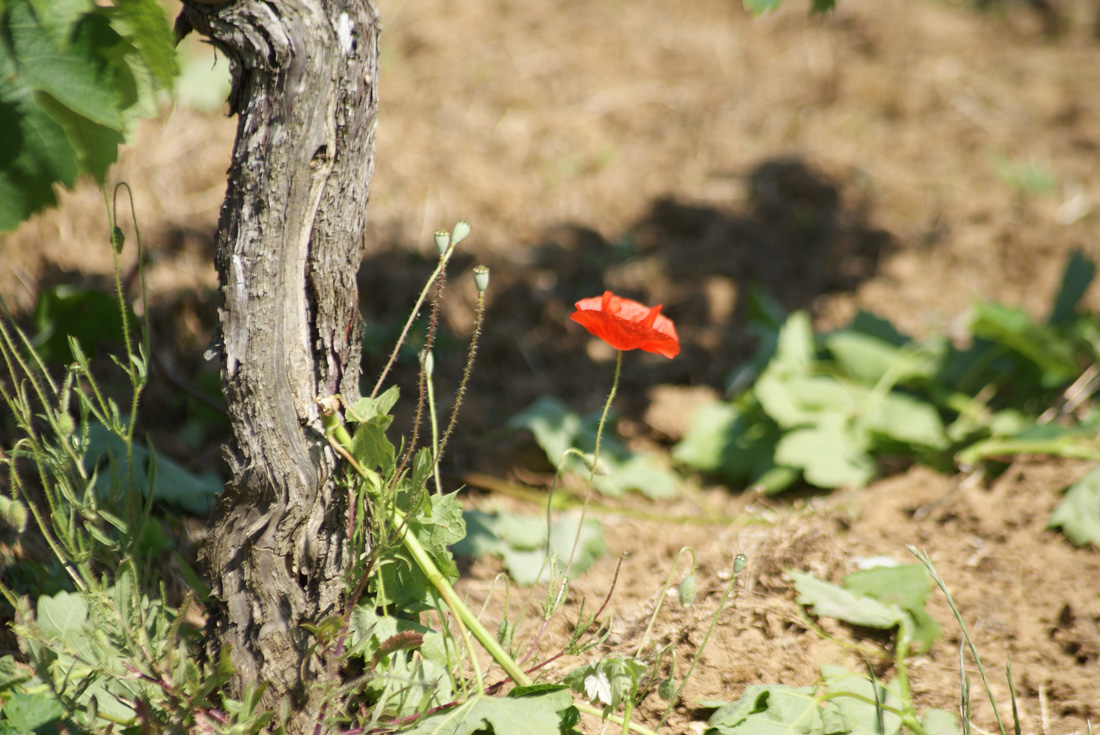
pixel 801 400
pixel 1040 344
pixel 174 485
pixel 59 17
pixel 830 601
pixel 940 722
pixel 557 430
pixel 371 448
pixel 520 541
pixel 853 697
pixel 1078 514
pixel 11 674
pixel 89 316
pixel 770 709
pixel 907 586
pixel 829 454
pixel 735 441
pixel 537 714
pixel 366 409
pixel 554 426
pixel 152 36
pixel 642 473
pixel 26 712
pixel 1079 273
pixel 862 356
pixel 34 153
pixel 61 614
pixel 77 76
pixel 905 419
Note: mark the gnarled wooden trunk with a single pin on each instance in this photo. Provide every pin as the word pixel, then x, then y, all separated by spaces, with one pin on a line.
pixel 288 248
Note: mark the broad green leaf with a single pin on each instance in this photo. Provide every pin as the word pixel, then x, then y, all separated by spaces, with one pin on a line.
pixel 77 77
pixel 1040 344
pixel 520 541
pixel 11 674
pixel 34 153
pixel 1079 273
pixel 905 419
pixel 736 442
pixel 28 712
pixel 940 722
pixel 639 472
pixel 61 615
pixel 557 430
pixel 1078 514
pixel 366 408
pixel 830 601
pixel 370 446
pixel 150 33
pixel 906 586
pixel 59 17
pixel 829 454
pixel 89 316
pixel 795 347
pixel 770 709
pixel 535 714
pixel 555 427
pixel 862 356
pixel 853 696
pixel 174 485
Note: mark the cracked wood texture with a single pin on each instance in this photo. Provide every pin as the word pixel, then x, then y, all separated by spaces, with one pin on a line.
pixel 288 248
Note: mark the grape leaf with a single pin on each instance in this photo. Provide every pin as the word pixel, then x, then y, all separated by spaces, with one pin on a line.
pixel 541 713
pixel 1078 514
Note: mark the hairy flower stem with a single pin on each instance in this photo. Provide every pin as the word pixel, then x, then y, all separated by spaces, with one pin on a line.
pixel 479 320
pixel 412 317
pixel 595 463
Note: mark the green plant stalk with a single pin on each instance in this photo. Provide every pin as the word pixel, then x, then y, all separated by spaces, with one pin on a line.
pixel 595 459
pixel 661 596
pixel 706 639
pixel 412 317
pixel 1070 447
pixel 434 419
pixel 965 631
pixel 339 436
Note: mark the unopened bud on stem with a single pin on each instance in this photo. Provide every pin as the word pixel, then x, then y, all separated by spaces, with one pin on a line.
pixel 461 230
pixel 481 278
pixel 442 241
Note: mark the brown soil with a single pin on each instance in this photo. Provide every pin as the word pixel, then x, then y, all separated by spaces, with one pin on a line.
pixel 680 153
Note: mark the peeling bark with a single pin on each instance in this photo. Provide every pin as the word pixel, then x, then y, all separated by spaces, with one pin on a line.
pixel 288 247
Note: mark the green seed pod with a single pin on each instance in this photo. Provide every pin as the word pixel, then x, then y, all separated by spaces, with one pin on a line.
pixel 461 230
pixel 442 241
pixel 666 689
pixel 428 361
pixel 117 239
pixel 13 513
pixel 481 278
pixel 687 591
pixel 739 563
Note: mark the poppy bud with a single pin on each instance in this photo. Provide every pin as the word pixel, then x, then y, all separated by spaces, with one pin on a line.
pixel 117 239
pixel 461 230
pixel 666 689
pixel 687 591
pixel 442 241
pixel 481 278
pixel 428 362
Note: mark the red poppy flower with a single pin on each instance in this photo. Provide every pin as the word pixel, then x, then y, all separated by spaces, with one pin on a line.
pixel 627 325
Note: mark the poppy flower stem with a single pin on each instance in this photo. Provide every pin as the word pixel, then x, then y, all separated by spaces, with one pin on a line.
pixel 595 461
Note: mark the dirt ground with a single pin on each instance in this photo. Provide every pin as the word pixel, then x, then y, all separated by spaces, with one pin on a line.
pixel 678 153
